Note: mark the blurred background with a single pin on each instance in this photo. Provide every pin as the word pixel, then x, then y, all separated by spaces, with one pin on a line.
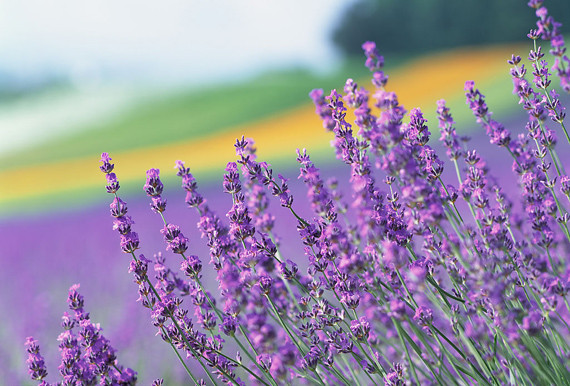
pixel 152 83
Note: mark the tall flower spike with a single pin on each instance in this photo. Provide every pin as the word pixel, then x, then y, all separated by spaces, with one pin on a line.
pixel 36 364
pixel 87 357
pixel 129 240
pixel 549 29
pixel 449 137
pixel 497 133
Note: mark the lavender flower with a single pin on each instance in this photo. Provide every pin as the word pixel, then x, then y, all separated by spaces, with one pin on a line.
pixel 87 357
pixel 497 133
pixel 35 361
pixel 416 280
pixel 549 29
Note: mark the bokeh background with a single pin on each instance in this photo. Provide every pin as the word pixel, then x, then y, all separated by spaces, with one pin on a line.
pixel 154 82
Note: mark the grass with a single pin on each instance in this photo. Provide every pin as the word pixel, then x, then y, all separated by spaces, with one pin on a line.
pixel 189 114
pixel 197 113
pixel 199 126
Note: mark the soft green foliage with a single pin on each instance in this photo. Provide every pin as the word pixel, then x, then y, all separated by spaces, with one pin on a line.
pixel 190 114
pixel 194 113
pixel 424 25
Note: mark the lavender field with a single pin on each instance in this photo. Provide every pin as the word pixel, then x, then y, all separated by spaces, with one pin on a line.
pixel 420 255
pixel 79 246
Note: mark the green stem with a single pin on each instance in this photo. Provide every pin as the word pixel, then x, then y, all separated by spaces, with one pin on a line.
pixel 351 370
pixel 180 331
pixel 403 343
pixel 446 192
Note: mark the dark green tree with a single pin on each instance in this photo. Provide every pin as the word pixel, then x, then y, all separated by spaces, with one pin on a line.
pixel 404 26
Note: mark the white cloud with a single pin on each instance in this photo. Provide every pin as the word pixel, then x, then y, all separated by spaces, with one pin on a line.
pixel 170 39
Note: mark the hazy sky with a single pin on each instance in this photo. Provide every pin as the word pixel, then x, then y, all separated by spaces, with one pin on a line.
pixel 164 40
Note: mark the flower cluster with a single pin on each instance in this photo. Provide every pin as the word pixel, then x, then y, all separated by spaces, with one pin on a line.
pixel 549 29
pixel 87 357
pixel 414 274
pixel 122 222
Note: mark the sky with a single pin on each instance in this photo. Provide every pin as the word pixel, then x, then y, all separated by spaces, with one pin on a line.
pixel 166 41
pixel 113 51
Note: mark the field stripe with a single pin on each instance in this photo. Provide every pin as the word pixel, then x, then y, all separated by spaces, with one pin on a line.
pixel 419 83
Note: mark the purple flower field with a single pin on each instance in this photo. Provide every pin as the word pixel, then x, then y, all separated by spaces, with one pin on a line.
pixel 426 258
pixel 79 246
